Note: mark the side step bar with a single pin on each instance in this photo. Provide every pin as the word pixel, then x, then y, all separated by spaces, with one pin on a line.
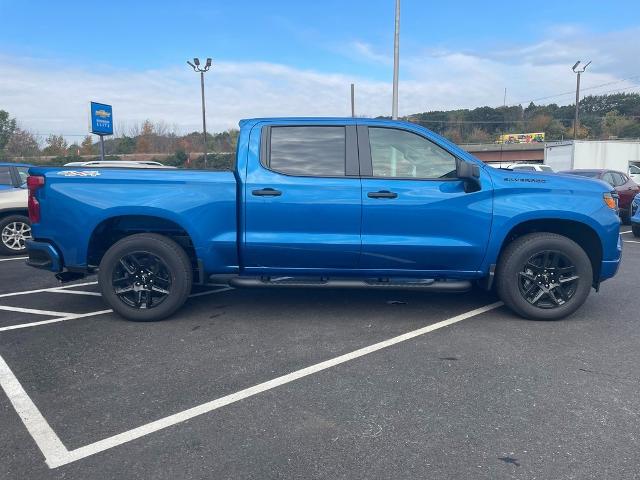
pixel 453 286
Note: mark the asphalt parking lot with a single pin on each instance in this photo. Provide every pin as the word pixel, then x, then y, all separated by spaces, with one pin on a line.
pixel 317 384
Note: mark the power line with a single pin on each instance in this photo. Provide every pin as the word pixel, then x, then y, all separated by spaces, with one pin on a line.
pixel 573 91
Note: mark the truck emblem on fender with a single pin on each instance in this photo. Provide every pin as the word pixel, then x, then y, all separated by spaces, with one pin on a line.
pixel 73 173
pixel 525 180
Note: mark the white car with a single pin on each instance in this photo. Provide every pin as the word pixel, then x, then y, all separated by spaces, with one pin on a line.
pixel 15 228
pixel 532 167
pixel 634 173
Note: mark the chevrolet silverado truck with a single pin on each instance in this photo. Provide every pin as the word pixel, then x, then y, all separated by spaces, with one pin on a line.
pixel 328 202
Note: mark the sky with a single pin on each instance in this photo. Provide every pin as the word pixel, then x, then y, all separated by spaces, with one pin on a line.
pixel 282 57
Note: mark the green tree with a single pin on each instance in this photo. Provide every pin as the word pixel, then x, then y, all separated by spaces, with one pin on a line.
pixel 7 127
pixel 87 147
pixel 56 146
pixel 22 144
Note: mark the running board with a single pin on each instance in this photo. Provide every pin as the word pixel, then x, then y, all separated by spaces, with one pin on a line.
pixel 452 286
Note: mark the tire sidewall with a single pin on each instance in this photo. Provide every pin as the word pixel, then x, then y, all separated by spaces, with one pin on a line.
pixel 509 276
pixel 170 253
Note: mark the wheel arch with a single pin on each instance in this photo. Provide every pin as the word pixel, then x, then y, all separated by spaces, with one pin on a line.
pixel 581 233
pixel 112 229
pixel 14 211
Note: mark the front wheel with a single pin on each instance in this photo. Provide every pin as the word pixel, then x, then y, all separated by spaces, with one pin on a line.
pixel 145 277
pixel 544 276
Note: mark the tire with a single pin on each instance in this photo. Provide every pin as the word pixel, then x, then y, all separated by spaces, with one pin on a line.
pixel 145 277
pixel 14 231
pixel 625 218
pixel 520 276
pixel 636 230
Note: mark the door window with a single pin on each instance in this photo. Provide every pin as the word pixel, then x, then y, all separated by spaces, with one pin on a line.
pixel 5 176
pixel 23 173
pixel 403 154
pixel 619 179
pixel 308 151
pixel 608 177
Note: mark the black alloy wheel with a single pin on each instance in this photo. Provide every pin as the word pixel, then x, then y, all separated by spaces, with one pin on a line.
pixel 548 279
pixel 141 280
pixel 544 276
pixel 145 277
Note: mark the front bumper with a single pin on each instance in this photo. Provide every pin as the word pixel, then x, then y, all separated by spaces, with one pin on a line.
pixel 608 268
pixel 44 255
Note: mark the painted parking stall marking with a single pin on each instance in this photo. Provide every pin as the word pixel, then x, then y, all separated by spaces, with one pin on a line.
pixel 56 454
pixel 12 258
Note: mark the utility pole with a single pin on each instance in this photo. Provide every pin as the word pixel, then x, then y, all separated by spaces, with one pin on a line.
pixel 396 62
pixel 578 72
pixel 353 100
pixel 196 68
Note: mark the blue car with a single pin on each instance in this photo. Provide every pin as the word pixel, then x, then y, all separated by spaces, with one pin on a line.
pixel 635 216
pixel 328 202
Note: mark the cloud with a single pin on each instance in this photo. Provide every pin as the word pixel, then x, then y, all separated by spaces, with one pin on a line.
pixel 54 97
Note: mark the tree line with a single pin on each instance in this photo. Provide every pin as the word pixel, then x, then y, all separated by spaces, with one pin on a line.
pixel 601 117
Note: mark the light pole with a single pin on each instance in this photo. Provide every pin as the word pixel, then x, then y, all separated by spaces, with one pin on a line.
pixel 396 62
pixel 197 68
pixel 353 100
pixel 578 71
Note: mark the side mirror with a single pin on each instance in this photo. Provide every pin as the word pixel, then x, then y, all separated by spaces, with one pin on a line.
pixel 467 170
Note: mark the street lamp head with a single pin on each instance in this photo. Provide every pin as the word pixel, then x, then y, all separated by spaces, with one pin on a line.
pixel 208 64
pixel 585 67
pixel 576 64
pixel 196 61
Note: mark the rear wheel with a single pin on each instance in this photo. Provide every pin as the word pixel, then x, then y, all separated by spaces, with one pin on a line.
pixel 636 230
pixel 145 277
pixel 544 276
pixel 15 230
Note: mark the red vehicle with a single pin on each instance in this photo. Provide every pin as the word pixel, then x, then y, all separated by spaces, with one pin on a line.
pixel 626 188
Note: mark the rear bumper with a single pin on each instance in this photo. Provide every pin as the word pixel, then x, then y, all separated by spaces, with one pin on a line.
pixel 44 255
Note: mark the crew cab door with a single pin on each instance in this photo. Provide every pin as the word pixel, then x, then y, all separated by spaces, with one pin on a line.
pixel 303 200
pixel 416 215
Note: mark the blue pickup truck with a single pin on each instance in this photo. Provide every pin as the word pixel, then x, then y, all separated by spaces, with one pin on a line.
pixel 328 202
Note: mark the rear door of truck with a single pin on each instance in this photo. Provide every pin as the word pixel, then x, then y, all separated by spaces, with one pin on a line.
pixel 303 198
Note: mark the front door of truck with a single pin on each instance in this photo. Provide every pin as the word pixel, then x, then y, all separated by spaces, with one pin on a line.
pixel 416 214
pixel 302 200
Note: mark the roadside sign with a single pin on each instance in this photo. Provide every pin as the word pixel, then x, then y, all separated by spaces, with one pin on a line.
pixel 101 119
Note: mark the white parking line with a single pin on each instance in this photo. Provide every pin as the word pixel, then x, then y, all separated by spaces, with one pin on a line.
pixel 98 294
pixel 72 316
pixel 626 231
pixel 27 292
pixel 35 311
pixel 36 424
pixel 209 292
pixel 631 241
pixel 12 258
pixel 76 292
pixel 56 454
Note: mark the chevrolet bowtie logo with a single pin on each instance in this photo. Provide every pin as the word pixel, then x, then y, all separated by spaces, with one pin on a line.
pixel 103 113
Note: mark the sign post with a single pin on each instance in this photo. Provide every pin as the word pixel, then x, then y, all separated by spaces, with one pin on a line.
pixel 101 122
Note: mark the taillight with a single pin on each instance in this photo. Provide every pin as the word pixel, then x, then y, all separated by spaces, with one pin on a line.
pixel 34 182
